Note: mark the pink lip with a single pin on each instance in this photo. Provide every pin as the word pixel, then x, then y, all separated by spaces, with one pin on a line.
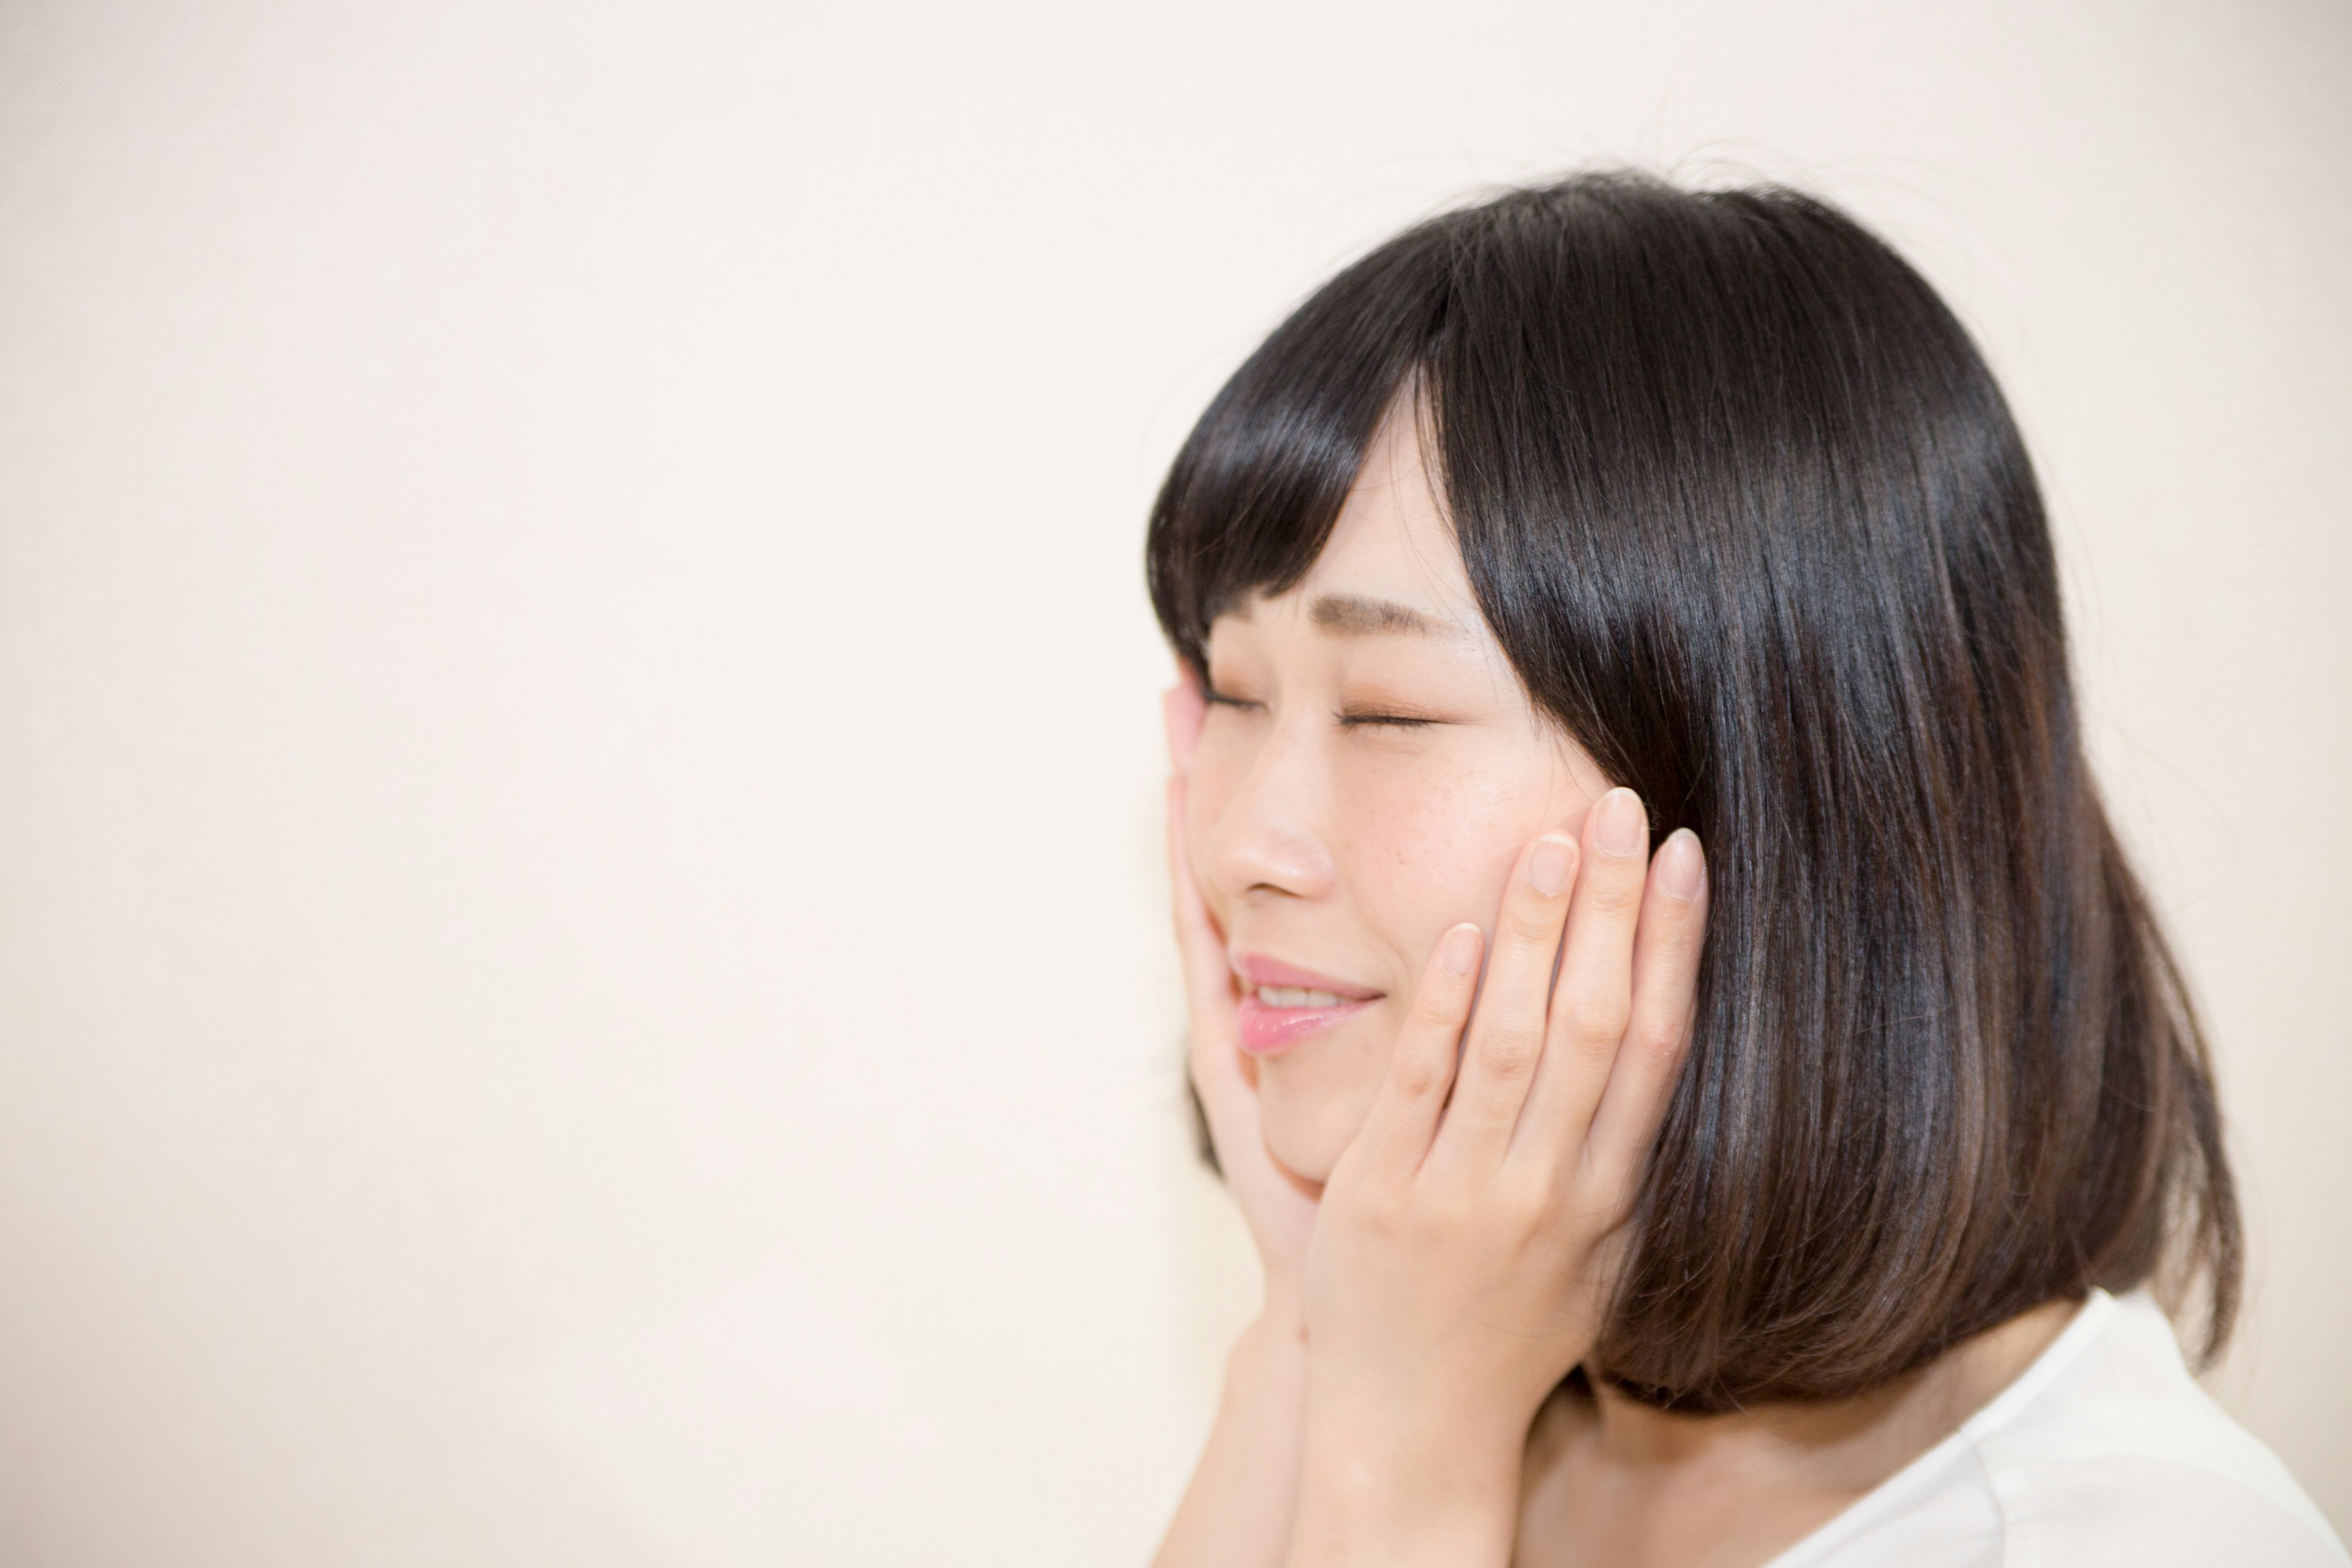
pixel 1267 1031
pixel 1259 970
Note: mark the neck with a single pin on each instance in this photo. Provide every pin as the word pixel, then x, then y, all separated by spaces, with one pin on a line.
pixel 1858 1441
pixel 1615 1480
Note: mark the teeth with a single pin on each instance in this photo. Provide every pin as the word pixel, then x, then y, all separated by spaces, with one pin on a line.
pixel 1292 996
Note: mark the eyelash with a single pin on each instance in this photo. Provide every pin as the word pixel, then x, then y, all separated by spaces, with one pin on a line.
pixel 1346 720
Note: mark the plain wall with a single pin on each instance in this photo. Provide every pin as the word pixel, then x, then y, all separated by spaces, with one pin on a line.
pixel 583 974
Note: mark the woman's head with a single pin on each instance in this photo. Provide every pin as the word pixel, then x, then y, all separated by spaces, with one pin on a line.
pixel 1369 768
pixel 1706 494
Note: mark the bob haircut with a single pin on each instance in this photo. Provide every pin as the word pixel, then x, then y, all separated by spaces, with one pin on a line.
pixel 1751 519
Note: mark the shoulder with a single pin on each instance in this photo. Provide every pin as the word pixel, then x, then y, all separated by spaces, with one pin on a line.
pixel 2103 1453
pixel 2120 1457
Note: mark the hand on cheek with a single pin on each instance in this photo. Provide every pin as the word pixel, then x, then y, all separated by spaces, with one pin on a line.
pixel 1460 1260
pixel 1277 1208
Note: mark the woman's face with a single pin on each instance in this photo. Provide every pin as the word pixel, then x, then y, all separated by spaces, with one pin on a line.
pixel 1367 773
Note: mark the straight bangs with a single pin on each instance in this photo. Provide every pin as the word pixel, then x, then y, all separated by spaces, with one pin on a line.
pixel 1749 516
pixel 1255 491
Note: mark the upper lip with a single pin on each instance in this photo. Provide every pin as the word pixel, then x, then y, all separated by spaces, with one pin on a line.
pixel 1260 970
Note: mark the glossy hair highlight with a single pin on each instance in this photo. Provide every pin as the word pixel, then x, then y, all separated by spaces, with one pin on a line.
pixel 1751 519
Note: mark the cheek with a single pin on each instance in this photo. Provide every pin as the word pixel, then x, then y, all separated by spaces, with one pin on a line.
pixel 1208 791
pixel 1420 848
pixel 1421 854
pixel 1430 853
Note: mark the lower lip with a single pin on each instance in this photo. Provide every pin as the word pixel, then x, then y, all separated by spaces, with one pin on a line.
pixel 1269 1031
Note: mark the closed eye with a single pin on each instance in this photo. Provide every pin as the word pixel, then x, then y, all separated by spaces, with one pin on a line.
pixel 1387 721
pixel 1219 699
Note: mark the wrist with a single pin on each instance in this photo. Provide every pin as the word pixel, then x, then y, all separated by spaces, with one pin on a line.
pixel 1372 1496
pixel 1269 1357
pixel 1236 1512
pixel 1281 1318
pixel 1423 1463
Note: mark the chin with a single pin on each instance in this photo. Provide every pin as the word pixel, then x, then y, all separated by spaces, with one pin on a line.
pixel 1310 1124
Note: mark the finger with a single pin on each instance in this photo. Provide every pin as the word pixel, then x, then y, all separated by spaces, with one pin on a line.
pixel 1506 1036
pixel 1183 709
pixel 1665 993
pixel 1404 1116
pixel 1200 948
pixel 1594 996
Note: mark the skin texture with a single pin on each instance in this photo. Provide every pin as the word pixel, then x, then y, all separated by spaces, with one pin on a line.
pixel 1608 1481
pixel 1348 848
pixel 1433 1196
pixel 1435 1186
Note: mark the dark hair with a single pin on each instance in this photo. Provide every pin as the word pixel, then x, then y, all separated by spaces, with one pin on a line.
pixel 1751 519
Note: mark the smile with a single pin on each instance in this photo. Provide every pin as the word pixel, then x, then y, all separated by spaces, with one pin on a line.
pixel 1292 996
pixel 1285 1005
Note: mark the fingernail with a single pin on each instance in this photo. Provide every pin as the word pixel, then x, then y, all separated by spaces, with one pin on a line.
pixel 1462 950
pixel 1548 868
pixel 1681 869
pixel 1622 824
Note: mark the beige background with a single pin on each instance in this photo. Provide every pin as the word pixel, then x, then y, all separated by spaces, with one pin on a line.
pixel 582 977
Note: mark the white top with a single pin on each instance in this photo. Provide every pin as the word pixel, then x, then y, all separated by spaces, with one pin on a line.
pixel 2103 1454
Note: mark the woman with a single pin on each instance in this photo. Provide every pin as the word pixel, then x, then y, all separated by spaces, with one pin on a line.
pixel 1794 1192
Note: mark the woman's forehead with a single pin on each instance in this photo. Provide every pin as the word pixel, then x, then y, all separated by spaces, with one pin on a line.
pixel 1392 544
pixel 1389 570
pixel 1390 565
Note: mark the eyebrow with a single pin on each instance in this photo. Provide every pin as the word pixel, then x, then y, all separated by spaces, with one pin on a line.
pixel 1350 615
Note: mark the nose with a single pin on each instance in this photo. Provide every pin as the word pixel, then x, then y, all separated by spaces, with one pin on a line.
pixel 1269 842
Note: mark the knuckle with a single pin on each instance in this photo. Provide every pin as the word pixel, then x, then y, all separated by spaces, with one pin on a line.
pixel 1661 1041
pixel 1379 1211
pixel 1598 1023
pixel 1441 1007
pixel 1533 923
pixel 1419 1074
pixel 1532 1202
pixel 1499 1102
pixel 1616 895
pixel 1514 1015
pixel 1509 1052
pixel 1451 1212
pixel 1612 1198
